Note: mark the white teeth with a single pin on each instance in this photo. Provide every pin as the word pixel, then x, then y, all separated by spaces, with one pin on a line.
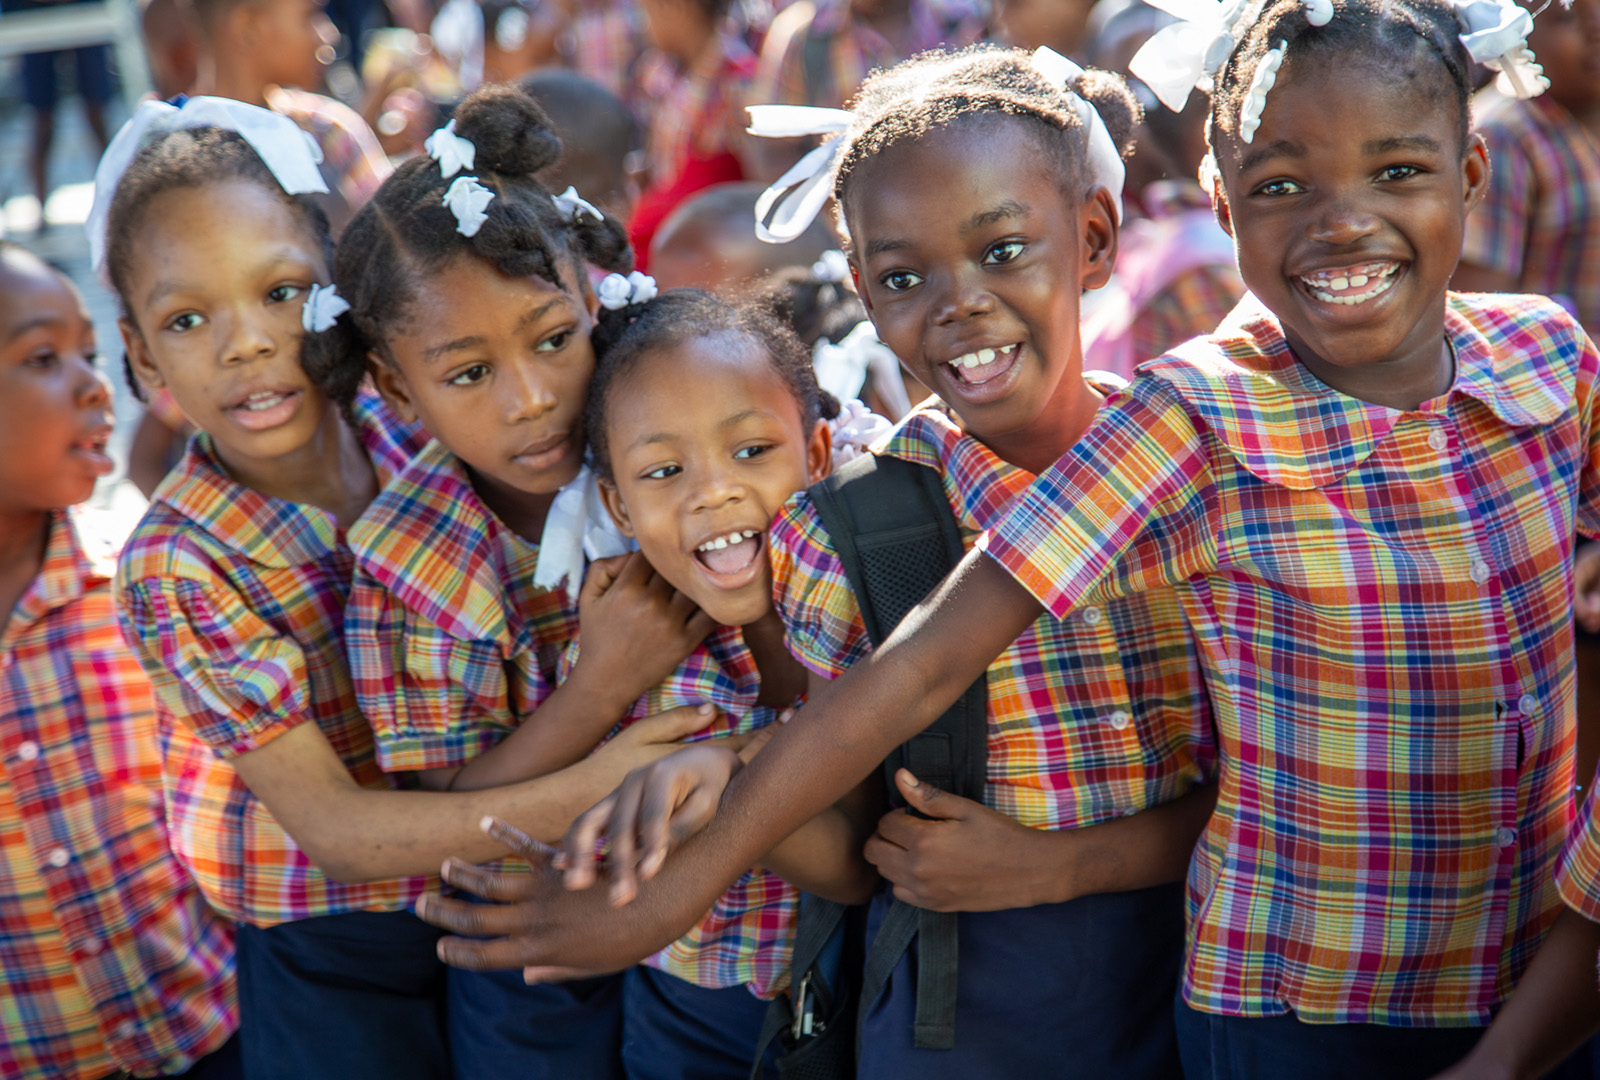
pixel 1339 283
pixel 262 400
pixel 985 356
pixel 720 542
pixel 1358 280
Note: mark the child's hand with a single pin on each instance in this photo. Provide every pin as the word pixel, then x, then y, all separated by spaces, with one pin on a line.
pixel 636 628
pixel 649 740
pixel 1586 587
pixel 962 857
pixel 655 810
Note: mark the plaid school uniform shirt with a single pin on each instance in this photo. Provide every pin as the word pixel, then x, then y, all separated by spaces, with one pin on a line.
pixel 1383 603
pixel 1090 718
pixel 109 956
pixel 748 935
pixel 1539 222
pixel 695 111
pixel 451 644
pixel 234 603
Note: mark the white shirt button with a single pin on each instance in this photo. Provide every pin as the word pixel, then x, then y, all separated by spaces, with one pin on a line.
pixel 92 947
pixel 1480 571
pixel 28 750
pixel 1504 836
pixel 1119 719
pixel 1438 439
pixel 1526 704
pixel 1093 615
pixel 59 858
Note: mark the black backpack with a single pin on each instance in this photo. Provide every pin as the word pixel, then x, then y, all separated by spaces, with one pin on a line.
pixel 894 533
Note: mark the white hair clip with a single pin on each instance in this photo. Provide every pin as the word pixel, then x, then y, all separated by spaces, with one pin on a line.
pixel 795 198
pixel 842 368
pixel 831 268
pixel 1207 174
pixel 571 204
pixel 467 199
pixel 1105 161
pixel 1256 98
pixel 322 308
pixel 1187 54
pixel 616 292
pixel 290 154
pixel 1495 33
pixel 1319 12
pixel 451 151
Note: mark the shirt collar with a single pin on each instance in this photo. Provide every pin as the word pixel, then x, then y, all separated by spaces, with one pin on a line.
pixel 80 555
pixel 1289 428
pixel 273 532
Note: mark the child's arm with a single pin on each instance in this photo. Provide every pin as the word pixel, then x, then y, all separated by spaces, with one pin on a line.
pixel 1553 1010
pixel 963 856
pixel 636 630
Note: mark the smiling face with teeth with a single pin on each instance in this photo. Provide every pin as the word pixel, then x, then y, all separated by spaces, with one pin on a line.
pixel 970 259
pixel 55 405
pixel 214 316
pixel 707 441
pixel 1351 237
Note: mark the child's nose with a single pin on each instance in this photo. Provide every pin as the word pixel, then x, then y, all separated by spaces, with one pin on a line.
pixel 962 297
pixel 248 338
pixel 529 394
pixel 94 389
pixel 717 488
pixel 1342 221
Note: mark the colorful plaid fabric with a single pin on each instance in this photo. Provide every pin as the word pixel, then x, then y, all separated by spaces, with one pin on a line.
pixel 1383 603
pixel 1540 221
pixel 1090 718
pixel 234 602
pixel 822 61
pixel 748 935
pixel 352 161
pixel 109 957
pixel 694 112
pixel 451 644
pixel 607 41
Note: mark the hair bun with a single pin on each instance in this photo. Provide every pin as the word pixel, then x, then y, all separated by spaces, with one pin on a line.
pixel 513 135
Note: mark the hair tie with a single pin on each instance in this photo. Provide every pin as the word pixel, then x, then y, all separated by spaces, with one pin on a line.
pixel 1105 162
pixel 1187 54
pixel 1319 12
pixel 1255 100
pixel 322 308
pixel 451 151
pixel 290 154
pixel 617 292
pixel 572 205
pixel 795 198
pixel 467 199
pixel 1495 33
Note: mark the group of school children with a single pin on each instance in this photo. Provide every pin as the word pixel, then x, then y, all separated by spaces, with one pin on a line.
pixel 1265 766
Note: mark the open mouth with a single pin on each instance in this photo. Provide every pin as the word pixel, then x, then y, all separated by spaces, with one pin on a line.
pixel 1352 285
pixel 92 449
pixel 264 409
pixel 731 553
pixel 983 365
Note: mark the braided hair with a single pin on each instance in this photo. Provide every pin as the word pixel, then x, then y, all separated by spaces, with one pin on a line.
pixel 405 234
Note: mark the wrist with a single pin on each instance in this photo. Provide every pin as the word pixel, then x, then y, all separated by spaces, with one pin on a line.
pixel 1055 855
pixel 602 692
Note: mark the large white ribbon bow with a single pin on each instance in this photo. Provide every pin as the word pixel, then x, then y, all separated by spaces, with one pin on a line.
pixel 290 154
pixel 1105 161
pixel 578 526
pixel 1187 54
pixel 1495 33
pixel 796 197
pixel 842 368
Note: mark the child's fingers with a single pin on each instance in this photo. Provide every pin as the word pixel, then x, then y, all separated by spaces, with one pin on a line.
pixel 621 860
pixel 699 625
pixel 469 954
pixel 518 842
pixel 578 846
pixel 656 811
pixel 535 976
pixel 676 724
pixel 756 742
pixel 502 888
pixel 602 574
pixel 471 919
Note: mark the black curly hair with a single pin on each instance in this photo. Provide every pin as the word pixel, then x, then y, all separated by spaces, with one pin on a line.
pixel 623 337
pixel 190 158
pixel 937 89
pixel 405 233
pixel 1385 33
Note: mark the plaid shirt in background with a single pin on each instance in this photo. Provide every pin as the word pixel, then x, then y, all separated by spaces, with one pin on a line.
pixel 748 935
pixel 1383 604
pixel 607 42
pixel 1090 718
pixel 694 112
pixel 352 161
pixel 821 60
pixel 451 643
pixel 234 603
pixel 109 956
pixel 1540 221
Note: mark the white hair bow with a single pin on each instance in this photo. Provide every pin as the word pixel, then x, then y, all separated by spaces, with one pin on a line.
pixel 453 152
pixel 796 197
pixel 842 368
pixel 576 526
pixel 322 308
pixel 468 200
pixel 1188 54
pixel 1495 33
pixel 854 431
pixel 290 154
pixel 616 292
pixel 571 204
pixel 1105 162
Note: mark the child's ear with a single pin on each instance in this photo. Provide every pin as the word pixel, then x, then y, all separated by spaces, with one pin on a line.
pixel 139 355
pixel 1098 218
pixel 612 498
pixel 855 279
pixel 391 386
pixel 1219 207
pixel 819 453
pixel 1475 171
